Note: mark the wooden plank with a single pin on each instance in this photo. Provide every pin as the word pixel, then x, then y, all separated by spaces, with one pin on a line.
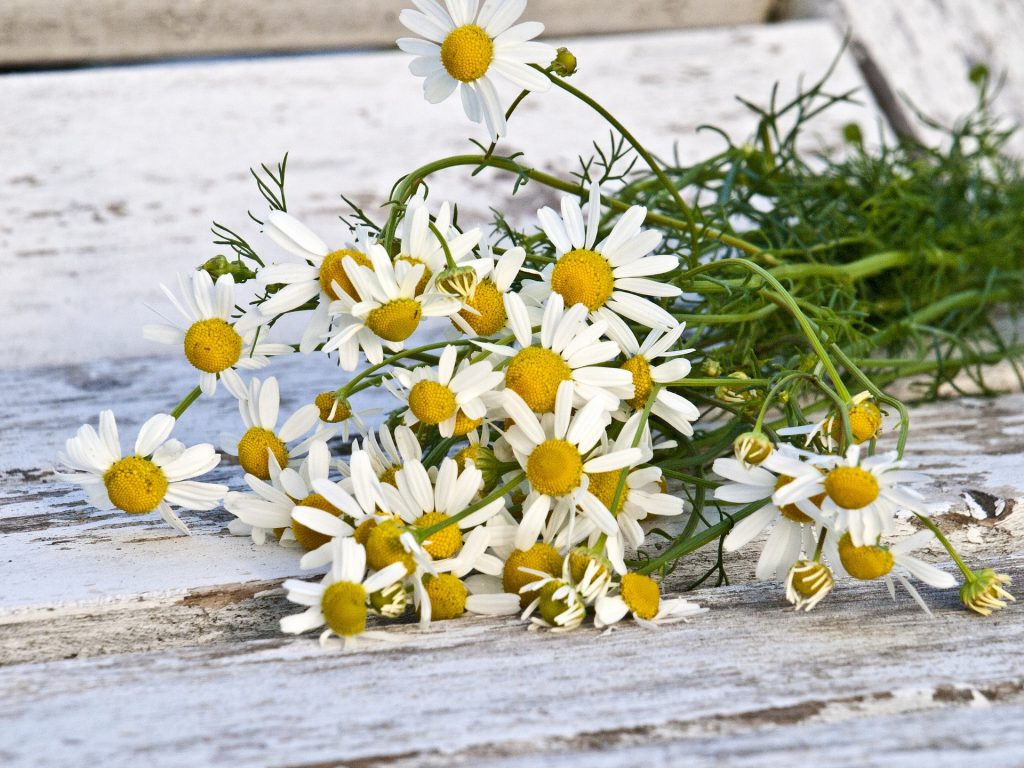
pixel 923 50
pixel 111 177
pixel 856 682
pixel 33 32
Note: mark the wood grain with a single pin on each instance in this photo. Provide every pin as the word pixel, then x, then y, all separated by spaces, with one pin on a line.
pixel 110 178
pixel 34 32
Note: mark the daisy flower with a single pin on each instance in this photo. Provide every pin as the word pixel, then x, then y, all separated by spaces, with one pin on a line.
pixel 340 600
pixel 483 313
pixel 873 561
pixel 385 311
pixel 262 443
pixel 213 344
pixel 157 474
pixel 438 397
pixel 794 525
pixel 861 494
pixel 554 452
pixel 640 595
pixel 675 410
pixel 465 48
pixel 420 245
pixel 568 350
pixel 322 277
pixel 610 278
pixel 270 505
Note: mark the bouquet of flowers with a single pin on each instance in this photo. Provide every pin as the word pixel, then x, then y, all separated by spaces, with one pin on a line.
pixel 659 352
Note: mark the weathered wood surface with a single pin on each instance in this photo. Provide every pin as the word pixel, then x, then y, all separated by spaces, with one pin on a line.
pixel 33 32
pixel 923 50
pixel 110 178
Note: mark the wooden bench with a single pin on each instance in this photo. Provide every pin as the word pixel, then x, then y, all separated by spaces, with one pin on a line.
pixel 122 642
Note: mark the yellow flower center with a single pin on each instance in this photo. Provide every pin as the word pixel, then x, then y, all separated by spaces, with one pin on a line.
pixel 810 578
pixel 212 345
pixel 603 485
pixel 332 270
pixel 792 511
pixel 583 277
pixel 464 425
pixel 867 562
pixel 488 303
pixel 383 547
pixel 641 594
pixel 642 383
pixel 252 452
pixel 344 607
pixel 447 596
pixel 395 321
pixel 135 484
pixel 534 374
pixel 550 608
pixel 444 543
pixel 539 557
pixel 431 402
pixel 555 467
pixel 307 537
pixel 421 286
pixel 467 52
pixel 332 409
pixel 851 487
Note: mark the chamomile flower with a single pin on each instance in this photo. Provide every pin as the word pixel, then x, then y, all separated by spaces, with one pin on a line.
pixel 568 350
pixel 875 561
pixel 610 278
pixel 386 311
pixel 555 453
pixel 436 397
pixel 263 443
pixel 483 313
pixel 270 505
pixel 340 600
pixel 213 343
pixel 321 277
pixel 640 595
pixel 675 410
pixel 862 494
pixel 420 245
pixel 157 474
pixel 465 49
pixel 794 525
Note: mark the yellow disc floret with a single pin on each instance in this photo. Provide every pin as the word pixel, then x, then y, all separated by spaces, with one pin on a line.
pixel 332 270
pixel 534 374
pixel 431 402
pixel 333 410
pixel 851 487
pixel 583 277
pixel 539 557
pixel 447 596
pixel 792 511
pixel 444 543
pixel 642 382
pixel 489 317
pixel 383 547
pixel 344 607
pixel 135 484
pixel 467 52
pixel 603 485
pixel 395 321
pixel 641 594
pixel 252 452
pixel 867 562
pixel 212 345
pixel 555 467
pixel 307 537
